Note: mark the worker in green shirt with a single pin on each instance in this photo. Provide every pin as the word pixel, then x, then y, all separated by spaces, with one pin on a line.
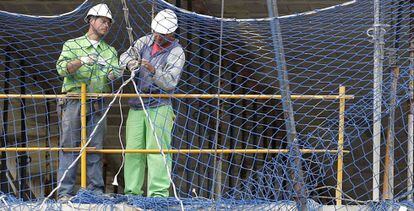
pixel 86 59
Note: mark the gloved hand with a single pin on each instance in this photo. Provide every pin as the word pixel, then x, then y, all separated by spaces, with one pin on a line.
pixel 88 60
pixel 133 64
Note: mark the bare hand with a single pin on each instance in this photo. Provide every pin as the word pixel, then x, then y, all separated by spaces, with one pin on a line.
pixel 148 65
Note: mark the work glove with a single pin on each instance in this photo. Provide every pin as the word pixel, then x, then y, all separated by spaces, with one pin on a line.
pixel 89 60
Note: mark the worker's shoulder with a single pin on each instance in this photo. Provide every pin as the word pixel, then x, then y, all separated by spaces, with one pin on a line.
pixel 144 40
pixel 76 41
pixel 177 48
pixel 110 49
pixel 105 45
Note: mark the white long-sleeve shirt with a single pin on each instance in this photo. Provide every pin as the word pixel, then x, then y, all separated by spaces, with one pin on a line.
pixel 168 64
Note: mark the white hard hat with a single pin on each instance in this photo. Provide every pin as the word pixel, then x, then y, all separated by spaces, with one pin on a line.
pixel 99 10
pixel 165 22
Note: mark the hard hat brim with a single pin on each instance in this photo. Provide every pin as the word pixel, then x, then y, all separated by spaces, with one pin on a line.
pixel 86 19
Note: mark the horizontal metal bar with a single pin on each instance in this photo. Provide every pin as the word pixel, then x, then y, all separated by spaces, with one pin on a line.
pixel 169 151
pixel 185 96
pixel 48 149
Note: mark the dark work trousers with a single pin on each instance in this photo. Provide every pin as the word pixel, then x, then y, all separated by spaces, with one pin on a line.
pixel 71 137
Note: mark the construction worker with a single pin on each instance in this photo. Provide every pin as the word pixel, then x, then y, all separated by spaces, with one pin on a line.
pixel 157 61
pixel 87 59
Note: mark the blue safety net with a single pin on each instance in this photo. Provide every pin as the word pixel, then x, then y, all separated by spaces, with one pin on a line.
pixel 228 101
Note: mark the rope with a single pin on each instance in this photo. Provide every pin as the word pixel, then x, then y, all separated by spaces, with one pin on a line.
pixel 158 144
pixel 115 179
pixel 131 42
pixel 86 144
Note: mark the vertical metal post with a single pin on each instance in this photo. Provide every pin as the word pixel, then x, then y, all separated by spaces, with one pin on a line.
pixel 388 187
pixel 410 132
pixel 23 136
pixel 200 105
pixel 338 192
pixel 231 127
pixel 378 72
pixel 5 114
pixel 83 134
pixel 410 136
pixel 189 56
pixel 210 135
pixel 295 165
pixel 49 178
pixel 217 186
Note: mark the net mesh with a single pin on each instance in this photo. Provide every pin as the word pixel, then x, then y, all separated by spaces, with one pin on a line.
pixel 324 49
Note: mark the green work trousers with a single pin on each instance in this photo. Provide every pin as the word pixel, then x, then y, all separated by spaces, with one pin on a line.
pixel 139 135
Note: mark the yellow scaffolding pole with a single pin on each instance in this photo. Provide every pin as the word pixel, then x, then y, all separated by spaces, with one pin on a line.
pixel 83 96
pixel 83 135
pixel 186 96
pixel 209 151
pixel 167 151
pixel 43 149
pixel 338 192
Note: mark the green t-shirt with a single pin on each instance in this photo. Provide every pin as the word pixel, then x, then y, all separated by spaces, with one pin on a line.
pixel 96 75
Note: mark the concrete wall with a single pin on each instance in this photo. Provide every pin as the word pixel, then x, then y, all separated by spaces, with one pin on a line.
pixel 39 7
pixel 236 9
